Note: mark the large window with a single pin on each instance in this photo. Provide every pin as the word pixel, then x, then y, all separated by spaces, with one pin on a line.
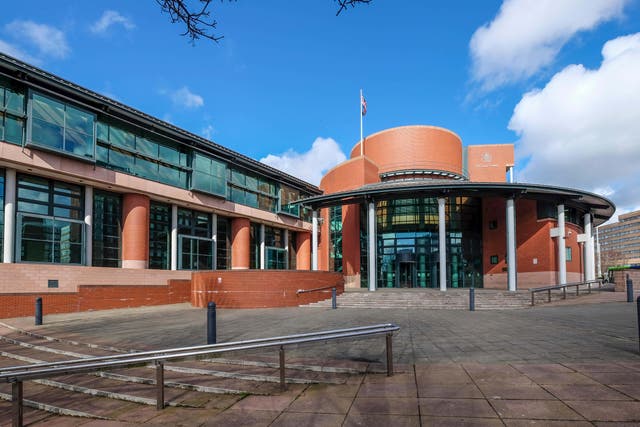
pixel 287 197
pixel 254 246
pixel 49 221
pixel 62 127
pixel 159 235
pixel 335 231
pixel 150 158
pixel 107 226
pixel 208 175
pixel 548 210
pixel 12 113
pixel 223 244
pixel 275 252
pixel 195 243
pixel 251 190
pixel 407 243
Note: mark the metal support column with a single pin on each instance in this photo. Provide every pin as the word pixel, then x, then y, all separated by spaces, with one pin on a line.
pixel 286 249
pixel 159 385
pixel 442 243
pixel 372 238
pixel 263 251
pixel 512 267
pixel 174 237
pixel 589 256
pixel 283 384
pixel 314 240
pixel 9 214
pixel 88 225
pixel 17 404
pixel 562 250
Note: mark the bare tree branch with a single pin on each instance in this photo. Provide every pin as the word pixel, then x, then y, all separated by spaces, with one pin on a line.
pixel 344 3
pixel 199 23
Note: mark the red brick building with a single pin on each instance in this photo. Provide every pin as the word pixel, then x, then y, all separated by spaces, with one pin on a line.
pixel 417 199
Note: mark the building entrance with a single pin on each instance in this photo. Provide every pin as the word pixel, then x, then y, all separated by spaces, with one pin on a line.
pixel 406 274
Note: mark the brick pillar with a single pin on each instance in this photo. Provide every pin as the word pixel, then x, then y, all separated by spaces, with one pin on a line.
pixel 240 243
pixel 351 240
pixel 135 231
pixel 303 256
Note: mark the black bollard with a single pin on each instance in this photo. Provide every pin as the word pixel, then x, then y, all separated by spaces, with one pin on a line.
pixel 211 323
pixel 38 311
pixel 334 305
pixel 629 289
pixel 472 299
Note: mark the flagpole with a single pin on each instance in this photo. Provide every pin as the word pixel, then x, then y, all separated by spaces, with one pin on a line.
pixel 361 140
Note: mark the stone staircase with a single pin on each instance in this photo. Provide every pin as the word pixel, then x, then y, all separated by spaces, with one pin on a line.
pixel 452 299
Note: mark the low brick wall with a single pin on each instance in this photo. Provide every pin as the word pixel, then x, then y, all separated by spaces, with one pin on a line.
pixel 261 288
pixel 620 279
pixel 95 297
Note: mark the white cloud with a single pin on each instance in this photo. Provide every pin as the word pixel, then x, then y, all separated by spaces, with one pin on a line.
pixel 11 50
pixel 108 19
pixel 48 40
pixel 526 36
pixel 583 128
pixel 183 97
pixel 208 132
pixel 324 154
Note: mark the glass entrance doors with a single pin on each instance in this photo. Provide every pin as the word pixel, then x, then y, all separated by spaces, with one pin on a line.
pixel 406 274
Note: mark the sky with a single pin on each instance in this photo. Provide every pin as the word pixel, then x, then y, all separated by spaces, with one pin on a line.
pixel 560 79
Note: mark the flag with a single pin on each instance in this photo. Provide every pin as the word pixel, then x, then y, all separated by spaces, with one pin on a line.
pixel 363 102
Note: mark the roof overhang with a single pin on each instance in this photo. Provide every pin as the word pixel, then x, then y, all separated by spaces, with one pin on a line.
pixel 600 207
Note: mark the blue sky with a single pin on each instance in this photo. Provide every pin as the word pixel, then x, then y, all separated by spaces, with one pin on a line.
pixel 559 78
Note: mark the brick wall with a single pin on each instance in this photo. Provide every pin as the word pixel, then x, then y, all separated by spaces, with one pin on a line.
pixel 256 289
pixel 26 278
pixel 620 279
pixel 95 297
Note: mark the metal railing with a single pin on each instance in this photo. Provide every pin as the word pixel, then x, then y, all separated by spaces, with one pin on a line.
pixel 16 375
pixel 334 294
pixel 589 284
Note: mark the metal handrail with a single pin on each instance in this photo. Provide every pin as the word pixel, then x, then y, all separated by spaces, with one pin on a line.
pixel 17 374
pixel 304 291
pixel 564 287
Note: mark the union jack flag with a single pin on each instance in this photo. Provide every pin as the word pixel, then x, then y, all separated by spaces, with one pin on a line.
pixel 363 102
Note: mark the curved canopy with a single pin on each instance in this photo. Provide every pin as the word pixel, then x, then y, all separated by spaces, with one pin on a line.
pixel 600 207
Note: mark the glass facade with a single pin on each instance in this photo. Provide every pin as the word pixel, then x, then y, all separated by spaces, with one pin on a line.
pixel 159 236
pixel 275 252
pixel 12 112
pixel 107 229
pixel 335 231
pixel 549 210
pixel 287 197
pixel 248 189
pixel 223 243
pixel 293 250
pixel 407 243
pixel 62 127
pixel 148 157
pixel 50 214
pixel 49 223
pixel 195 242
pixel 254 246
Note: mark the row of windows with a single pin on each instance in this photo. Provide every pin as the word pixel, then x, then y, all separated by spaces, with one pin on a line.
pixel 50 229
pixel 62 127
pixel 546 210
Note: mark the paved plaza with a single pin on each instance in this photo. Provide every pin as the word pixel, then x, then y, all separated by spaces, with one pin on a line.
pixel 564 365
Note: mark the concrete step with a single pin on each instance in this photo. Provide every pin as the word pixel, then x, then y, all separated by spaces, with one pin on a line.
pixel 454 299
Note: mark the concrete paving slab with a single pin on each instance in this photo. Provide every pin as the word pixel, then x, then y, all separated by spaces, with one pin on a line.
pixel 607 411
